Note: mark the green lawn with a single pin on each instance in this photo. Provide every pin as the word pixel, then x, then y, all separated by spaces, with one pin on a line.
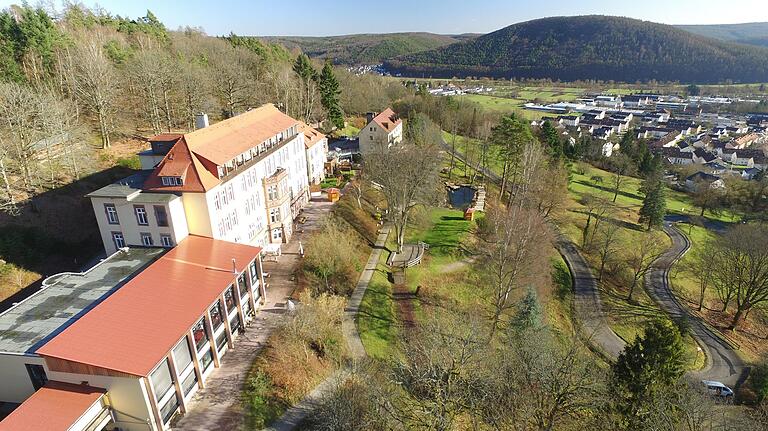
pixel 376 320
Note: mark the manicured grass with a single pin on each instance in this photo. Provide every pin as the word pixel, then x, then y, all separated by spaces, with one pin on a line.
pixel 348 130
pixel 447 228
pixel 684 281
pixel 505 105
pixel 376 320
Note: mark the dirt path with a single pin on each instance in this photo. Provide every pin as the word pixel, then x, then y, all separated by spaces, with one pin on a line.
pixel 403 297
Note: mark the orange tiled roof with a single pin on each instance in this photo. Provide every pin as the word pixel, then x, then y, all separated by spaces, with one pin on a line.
pixel 388 120
pixel 135 327
pixel 55 407
pixel 196 155
pixel 311 135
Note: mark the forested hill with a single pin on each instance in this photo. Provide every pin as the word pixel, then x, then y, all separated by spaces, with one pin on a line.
pixel 752 33
pixel 591 47
pixel 365 48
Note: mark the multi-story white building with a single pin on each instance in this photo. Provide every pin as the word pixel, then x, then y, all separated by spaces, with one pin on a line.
pixel 316 145
pixel 126 344
pixel 242 180
pixel 381 132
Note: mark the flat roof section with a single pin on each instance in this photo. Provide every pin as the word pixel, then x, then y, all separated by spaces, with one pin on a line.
pixel 55 407
pixel 132 330
pixel 68 296
pixel 130 188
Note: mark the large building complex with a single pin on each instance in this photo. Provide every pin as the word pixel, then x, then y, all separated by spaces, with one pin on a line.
pixel 126 344
pixel 243 180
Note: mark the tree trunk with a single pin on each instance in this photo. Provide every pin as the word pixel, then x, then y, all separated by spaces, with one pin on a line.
pixel 702 288
pixel 736 318
pixel 632 289
pixel 702 211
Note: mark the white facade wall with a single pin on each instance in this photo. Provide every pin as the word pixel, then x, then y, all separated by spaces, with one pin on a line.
pixel 316 157
pixel 16 384
pixel 128 225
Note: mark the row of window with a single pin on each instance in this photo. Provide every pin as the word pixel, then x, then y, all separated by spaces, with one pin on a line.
pixel 224 196
pixel 172 181
pixel 146 240
pixel 228 223
pixel 161 215
pixel 163 380
pixel 255 151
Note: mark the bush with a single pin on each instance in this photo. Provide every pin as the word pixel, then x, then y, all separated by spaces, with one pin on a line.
pixel 304 350
pixel 758 381
pixel 132 162
pixel 331 261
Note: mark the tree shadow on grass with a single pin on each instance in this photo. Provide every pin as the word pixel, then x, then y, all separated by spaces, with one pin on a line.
pixel 609 190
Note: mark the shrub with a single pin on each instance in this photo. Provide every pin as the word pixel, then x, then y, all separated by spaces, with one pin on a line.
pixel 132 162
pixel 331 261
pixel 758 381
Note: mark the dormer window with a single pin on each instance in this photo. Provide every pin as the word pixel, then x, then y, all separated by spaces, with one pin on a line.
pixel 172 181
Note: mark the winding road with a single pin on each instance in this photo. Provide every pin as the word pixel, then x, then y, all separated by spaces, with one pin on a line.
pixel 723 364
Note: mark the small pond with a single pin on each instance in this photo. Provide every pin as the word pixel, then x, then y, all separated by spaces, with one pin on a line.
pixel 461 197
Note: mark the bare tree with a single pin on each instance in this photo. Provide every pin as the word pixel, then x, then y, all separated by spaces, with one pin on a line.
pixel 702 265
pixel 95 82
pixel 407 176
pixel 641 257
pixel 233 81
pixel 597 209
pixel 606 244
pixel 741 265
pixel 513 249
pixel 621 167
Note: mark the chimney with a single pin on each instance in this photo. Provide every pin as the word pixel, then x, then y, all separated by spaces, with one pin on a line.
pixel 369 117
pixel 201 120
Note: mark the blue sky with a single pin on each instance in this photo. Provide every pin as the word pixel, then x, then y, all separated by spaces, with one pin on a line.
pixel 323 17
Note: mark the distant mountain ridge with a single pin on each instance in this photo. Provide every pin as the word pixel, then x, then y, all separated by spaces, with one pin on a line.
pixel 591 47
pixel 366 48
pixel 751 33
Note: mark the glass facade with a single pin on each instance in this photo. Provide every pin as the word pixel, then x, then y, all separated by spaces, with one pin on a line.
pixel 229 299
pixel 216 316
pixel 206 359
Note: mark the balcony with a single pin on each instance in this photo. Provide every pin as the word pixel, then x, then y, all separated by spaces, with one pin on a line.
pixel 260 154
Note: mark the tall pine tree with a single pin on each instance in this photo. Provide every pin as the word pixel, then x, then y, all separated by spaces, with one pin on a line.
pixel 654 204
pixel 329 96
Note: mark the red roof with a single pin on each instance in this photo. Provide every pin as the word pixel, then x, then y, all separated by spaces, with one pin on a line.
pixel 388 120
pixel 135 327
pixel 311 135
pixel 195 156
pixel 55 407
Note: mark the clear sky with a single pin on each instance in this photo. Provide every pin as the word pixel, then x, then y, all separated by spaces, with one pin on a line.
pixel 323 17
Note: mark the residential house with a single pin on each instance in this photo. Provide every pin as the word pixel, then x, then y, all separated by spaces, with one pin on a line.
pixel 380 132
pixel 243 180
pixel 703 179
pixel 636 101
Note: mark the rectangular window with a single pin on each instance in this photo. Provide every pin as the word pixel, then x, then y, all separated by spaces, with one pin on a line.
pixel 234 324
pixel 118 239
pixel 179 182
pixel 200 334
pixel 241 282
pixel 141 215
pixel 111 212
pixel 221 341
pixel 272 191
pixel 254 273
pixel 161 379
pixel 216 316
pixel 274 215
pixel 37 375
pixel 169 408
pixel 189 383
pixel 229 299
pixel 161 215
pixel 206 360
pixel 146 239
pixel 167 181
pixel 247 310
pixel 165 241
pixel 277 233
pixel 182 356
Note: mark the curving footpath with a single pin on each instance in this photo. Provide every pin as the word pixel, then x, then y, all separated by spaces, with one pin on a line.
pixel 295 415
pixel 723 364
pixel 587 304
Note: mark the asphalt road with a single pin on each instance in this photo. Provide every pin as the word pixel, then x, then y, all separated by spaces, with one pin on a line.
pixel 723 363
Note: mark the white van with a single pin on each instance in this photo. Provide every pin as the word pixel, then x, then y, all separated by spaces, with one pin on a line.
pixel 717 389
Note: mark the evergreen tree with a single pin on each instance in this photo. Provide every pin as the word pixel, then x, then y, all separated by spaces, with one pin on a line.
pixel 551 138
pixel 528 314
pixel 329 96
pixel 654 203
pixel 648 365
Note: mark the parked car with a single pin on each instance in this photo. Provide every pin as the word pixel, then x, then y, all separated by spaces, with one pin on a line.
pixel 717 389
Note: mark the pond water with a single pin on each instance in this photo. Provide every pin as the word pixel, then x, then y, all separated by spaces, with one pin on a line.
pixel 461 197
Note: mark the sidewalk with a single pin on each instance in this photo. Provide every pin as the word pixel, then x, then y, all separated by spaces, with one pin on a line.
pixel 219 405
pixel 297 413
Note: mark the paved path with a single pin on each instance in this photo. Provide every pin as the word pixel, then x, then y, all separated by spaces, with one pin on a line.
pixel 297 413
pixel 219 405
pixel 723 363
pixel 587 305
